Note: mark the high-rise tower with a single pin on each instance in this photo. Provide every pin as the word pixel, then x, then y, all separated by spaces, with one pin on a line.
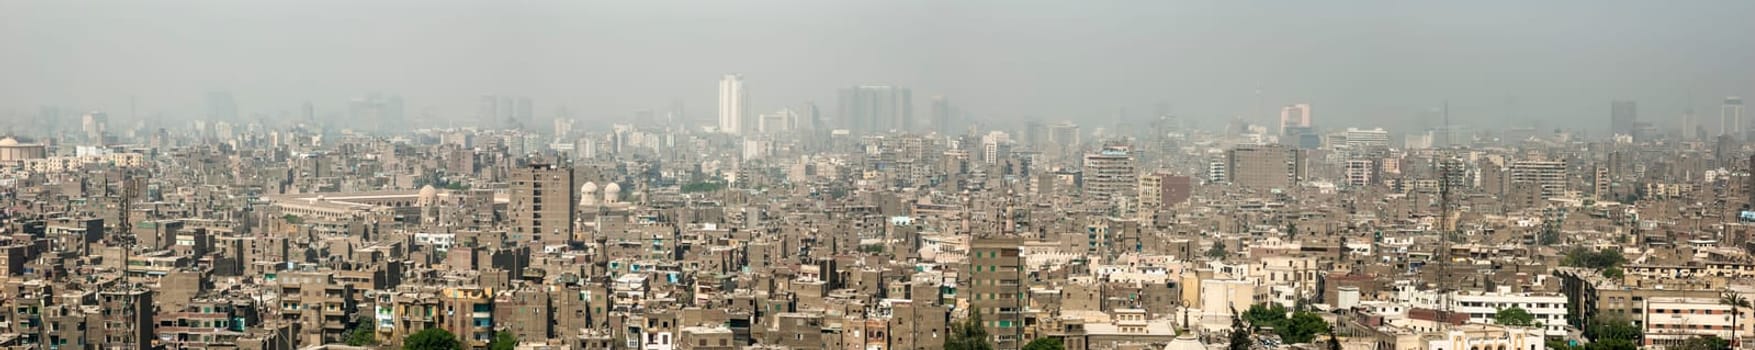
pixel 1622 115
pixel 1294 116
pixel 876 108
pixel 733 104
pixel 941 115
pixel 1731 117
pixel 543 197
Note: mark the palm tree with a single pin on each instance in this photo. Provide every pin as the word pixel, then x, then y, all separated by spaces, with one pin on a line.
pixel 1737 303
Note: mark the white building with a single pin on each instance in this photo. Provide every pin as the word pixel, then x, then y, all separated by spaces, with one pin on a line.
pixel 1671 320
pixel 757 149
pixel 439 241
pixel 1364 139
pixel 1219 296
pixel 1549 176
pixel 1549 310
pixel 733 104
pixel 779 121
pixel 1360 172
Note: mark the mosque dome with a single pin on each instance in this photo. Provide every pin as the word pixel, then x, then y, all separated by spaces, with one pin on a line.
pixel 1186 341
pixel 428 194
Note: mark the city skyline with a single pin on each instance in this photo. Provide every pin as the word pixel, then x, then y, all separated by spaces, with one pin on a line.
pixel 895 175
pixel 1208 71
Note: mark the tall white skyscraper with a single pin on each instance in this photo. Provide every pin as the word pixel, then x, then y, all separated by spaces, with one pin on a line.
pixel 732 104
pixel 1731 117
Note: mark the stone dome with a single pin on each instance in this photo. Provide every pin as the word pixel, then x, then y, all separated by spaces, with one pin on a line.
pixel 8 142
pixel 612 193
pixel 588 188
pixel 428 194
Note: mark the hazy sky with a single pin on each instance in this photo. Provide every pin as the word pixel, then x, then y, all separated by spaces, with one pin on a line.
pixel 1357 61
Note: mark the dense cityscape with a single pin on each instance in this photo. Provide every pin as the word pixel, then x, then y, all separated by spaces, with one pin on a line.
pixel 870 228
pixel 870 217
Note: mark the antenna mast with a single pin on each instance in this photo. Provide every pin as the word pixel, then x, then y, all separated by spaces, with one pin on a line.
pixel 1445 229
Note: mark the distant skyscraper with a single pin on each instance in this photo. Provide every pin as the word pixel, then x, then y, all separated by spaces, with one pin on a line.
pixel 489 114
pixel 1622 115
pixel 507 105
pixel 376 112
pixel 95 124
pixel 308 113
pixel 1294 116
pixel 876 108
pixel 678 114
pixel 941 115
pixel 733 104
pixel 510 112
pixel 814 116
pixel 1731 116
pixel 221 106
pixel 524 111
pixel 1688 124
pixel 1036 134
pixel 1065 134
pixel 779 121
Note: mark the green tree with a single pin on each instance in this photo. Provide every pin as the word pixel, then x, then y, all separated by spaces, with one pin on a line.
pixel 1264 315
pixel 1217 251
pixel 432 339
pixel 1548 237
pixel 1601 259
pixel 968 335
pixel 1240 339
pixel 1612 327
pixel 1301 328
pixel 1045 344
pixel 1737 303
pixel 1514 316
pixel 360 335
pixel 503 340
